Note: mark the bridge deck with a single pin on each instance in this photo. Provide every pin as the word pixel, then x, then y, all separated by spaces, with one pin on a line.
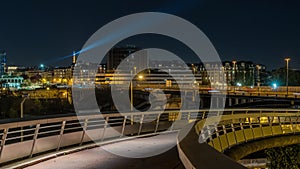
pixel 102 157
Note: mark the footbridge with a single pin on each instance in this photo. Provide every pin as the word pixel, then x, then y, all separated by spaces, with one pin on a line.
pixel 225 142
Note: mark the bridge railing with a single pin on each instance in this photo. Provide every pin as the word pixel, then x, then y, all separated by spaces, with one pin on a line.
pixel 233 128
pixel 238 128
pixel 25 139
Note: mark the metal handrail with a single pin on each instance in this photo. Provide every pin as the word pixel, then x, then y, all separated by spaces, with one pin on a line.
pixel 236 129
pixel 59 132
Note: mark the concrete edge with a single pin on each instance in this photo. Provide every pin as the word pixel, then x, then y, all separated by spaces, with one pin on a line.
pixel 195 155
pixel 184 159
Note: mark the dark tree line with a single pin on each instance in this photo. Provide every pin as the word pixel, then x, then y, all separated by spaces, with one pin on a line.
pixel 10 106
pixel 284 157
pixel 279 75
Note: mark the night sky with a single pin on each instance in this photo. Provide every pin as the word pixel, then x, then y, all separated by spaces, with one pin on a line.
pixel 34 31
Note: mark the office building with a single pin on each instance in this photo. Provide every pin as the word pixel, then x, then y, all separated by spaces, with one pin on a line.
pixel 138 61
pixel 2 62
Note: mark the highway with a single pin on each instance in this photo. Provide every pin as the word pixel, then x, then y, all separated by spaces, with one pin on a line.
pixel 103 158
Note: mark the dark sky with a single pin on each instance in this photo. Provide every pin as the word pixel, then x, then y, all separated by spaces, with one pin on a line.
pixel 34 31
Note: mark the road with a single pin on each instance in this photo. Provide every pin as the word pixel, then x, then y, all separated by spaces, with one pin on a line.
pixel 137 151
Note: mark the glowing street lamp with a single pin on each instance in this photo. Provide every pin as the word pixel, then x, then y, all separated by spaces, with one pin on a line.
pixel 141 77
pixel 274 86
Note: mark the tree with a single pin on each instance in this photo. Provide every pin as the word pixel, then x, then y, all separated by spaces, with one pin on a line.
pixel 279 76
pixel 284 157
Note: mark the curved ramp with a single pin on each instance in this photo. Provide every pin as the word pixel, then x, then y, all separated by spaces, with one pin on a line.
pixel 255 130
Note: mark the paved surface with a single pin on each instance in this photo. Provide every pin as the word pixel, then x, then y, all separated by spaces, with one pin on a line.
pixel 202 155
pixel 105 157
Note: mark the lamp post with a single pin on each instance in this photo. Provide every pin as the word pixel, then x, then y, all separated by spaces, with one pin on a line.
pixel 258 78
pixel 22 107
pixel 22 114
pixel 234 75
pixel 131 92
pixel 287 75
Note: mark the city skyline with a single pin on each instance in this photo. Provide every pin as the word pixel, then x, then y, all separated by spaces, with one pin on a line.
pixel 49 32
pixel 150 84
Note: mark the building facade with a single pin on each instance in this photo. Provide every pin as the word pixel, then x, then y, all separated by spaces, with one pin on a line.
pixel 11 82
pixel 62 75
pixel 138 60
pixel 235 73
pixel 2 62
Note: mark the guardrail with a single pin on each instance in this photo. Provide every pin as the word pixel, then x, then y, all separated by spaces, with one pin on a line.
pixel 26 139
pixel 239 128
pixel 230 131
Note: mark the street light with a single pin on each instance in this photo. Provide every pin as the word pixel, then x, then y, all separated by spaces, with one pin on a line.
pixel 22 107
pixel 131 92
pixel 258 77
pixel 141 77
pixel 274 85
pixel 22 113
pixel 287 75
pixel 233 75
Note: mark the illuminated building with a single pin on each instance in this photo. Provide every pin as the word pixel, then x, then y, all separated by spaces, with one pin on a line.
pixel 116 55
pixel 2 62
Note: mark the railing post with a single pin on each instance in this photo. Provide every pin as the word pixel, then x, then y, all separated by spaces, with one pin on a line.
pixel 242 128
pixel 292 125
pixel 210 133
pixel 179 117
pixel 123 126
pixel 261 128
pixel 203 115
pixel 260 113
pixel 233 130
pixel 61 134
pixel 251 127
pixel 157 123
pixel 279 121
pixel 131 120
pixel 172 126
pixel 36 132
pixel 104 129
pixel 83 131
pixel 141 124
pixel 225 133
pixel 271 124
pixel 5 131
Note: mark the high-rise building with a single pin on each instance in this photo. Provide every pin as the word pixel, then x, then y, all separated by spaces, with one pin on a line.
pixel 2 62
pixel 138 60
